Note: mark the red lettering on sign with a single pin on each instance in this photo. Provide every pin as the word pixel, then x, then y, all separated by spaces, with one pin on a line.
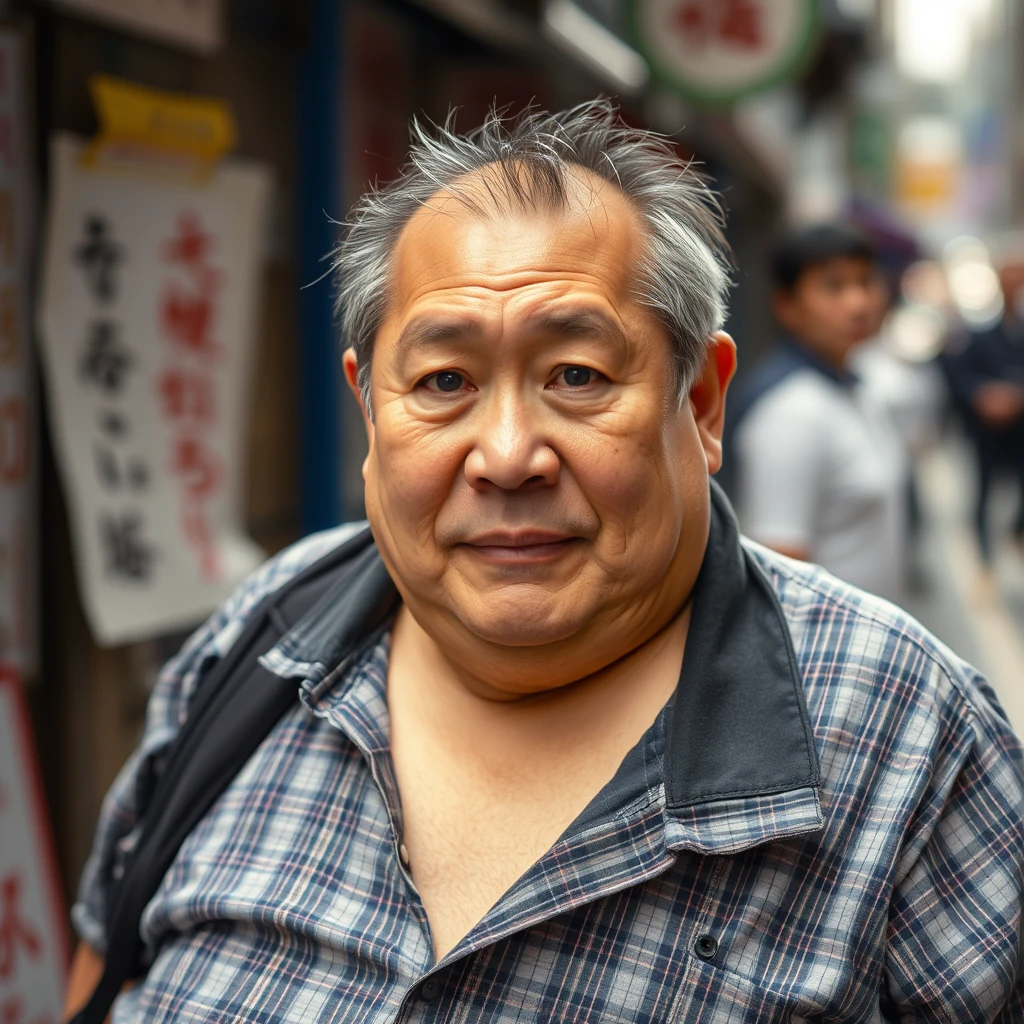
pixel 187 395
pixel 187 388
pixel 198 467
pixel 200 472
pixel 12 1011
pixel 741 24
pixel 14 932
pixel 188 319
pixel 736 23
pixel 693 21
pixel 187 315
pixel 192 245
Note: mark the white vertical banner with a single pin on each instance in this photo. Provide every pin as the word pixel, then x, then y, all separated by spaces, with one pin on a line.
pixel 146 316
pixel 18 461
pixel 33 939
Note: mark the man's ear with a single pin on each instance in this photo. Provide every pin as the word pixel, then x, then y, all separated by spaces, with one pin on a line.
pixel 351 365
pixel 707 396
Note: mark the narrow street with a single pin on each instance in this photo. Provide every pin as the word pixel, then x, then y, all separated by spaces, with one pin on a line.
pixel 981 618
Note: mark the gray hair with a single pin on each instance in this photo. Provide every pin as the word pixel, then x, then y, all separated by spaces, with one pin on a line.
pixel 683 274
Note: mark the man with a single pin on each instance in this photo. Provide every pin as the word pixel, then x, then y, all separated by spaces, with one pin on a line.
pixel 608 762
pixel 986 379
pixel 821 471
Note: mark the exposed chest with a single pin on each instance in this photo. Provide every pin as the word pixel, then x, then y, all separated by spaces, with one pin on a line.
pixel 469 838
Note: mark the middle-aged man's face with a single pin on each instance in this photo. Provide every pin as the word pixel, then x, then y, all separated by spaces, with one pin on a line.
pixel 533 485
pixel 833 306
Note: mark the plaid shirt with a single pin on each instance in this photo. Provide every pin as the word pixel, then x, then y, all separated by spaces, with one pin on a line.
pixel 824 825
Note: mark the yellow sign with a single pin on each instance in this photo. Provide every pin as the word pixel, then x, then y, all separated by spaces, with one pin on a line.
pixel 138 121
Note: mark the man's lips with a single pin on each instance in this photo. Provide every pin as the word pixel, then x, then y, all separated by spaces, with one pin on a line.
pixel 516 538
pixel 519 546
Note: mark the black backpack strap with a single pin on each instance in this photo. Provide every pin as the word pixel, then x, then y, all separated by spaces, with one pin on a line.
pixel 223 730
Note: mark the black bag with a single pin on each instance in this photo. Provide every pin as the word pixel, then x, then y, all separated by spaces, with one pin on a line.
pixel 224 729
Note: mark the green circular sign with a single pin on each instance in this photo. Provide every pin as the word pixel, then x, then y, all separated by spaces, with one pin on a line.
pixel 718 51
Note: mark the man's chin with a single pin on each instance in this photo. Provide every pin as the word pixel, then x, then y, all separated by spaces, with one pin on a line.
pixel 519 624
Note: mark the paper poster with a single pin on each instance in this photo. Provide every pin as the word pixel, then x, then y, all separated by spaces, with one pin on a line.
pixel 146 319
pixel 33 940
pixel 195 24
pixel 18 462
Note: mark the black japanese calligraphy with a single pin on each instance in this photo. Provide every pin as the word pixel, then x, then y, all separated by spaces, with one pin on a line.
pixel 129 556
pixel 99 256
pixel 106 360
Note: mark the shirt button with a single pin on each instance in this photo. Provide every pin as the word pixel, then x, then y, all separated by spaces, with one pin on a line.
pixel 706 947
pixel 403 852
pixel 430 990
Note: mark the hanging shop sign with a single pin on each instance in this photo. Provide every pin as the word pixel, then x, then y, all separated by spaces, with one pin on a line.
pixel 193 24
pixel 18 463
pixel 146 319
pixel 719 51
pixel 33 941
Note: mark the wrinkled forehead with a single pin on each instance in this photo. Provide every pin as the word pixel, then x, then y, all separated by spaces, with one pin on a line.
pixel 477 233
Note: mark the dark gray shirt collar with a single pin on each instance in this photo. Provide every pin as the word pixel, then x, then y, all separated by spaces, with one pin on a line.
pixel 737 727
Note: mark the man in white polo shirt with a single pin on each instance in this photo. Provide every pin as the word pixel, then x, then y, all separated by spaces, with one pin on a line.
pixel 821 471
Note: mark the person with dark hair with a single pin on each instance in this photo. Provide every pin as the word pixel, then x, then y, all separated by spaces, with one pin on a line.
pixel 986 379
pixel 821 470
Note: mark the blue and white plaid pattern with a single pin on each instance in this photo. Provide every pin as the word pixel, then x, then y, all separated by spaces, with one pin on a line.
pixel 289 901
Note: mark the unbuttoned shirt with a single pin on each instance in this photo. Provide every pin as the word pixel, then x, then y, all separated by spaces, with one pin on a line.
pixel 824 824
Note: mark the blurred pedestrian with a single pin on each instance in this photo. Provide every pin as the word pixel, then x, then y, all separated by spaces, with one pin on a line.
pixel 986 378
pixel 911 392
pixel 821 469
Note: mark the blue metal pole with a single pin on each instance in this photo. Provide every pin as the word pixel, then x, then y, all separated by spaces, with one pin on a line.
pixel 319 194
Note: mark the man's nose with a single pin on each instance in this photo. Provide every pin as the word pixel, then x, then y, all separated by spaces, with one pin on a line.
pixel 510 451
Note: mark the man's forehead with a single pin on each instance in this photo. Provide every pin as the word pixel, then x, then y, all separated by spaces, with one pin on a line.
pixel 473 235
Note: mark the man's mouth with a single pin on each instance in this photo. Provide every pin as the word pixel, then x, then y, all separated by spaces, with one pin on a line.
pixel 520 547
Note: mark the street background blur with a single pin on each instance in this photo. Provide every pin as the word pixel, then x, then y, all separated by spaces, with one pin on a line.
pixel 901 117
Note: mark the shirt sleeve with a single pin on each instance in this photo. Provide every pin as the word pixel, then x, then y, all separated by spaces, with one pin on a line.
pixel 119 822
pixel 780 451
pixel 127 798
pixel 954 943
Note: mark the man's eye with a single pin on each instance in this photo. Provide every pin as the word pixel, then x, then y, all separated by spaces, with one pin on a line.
pixel 578 376
pixel 446 380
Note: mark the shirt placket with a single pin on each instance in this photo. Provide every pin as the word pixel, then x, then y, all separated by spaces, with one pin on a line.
pixel 359 710
pixel 624 851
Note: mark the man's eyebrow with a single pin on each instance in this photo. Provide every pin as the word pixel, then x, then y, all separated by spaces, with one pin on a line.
pixel 568 323
pixel 576 323
pixel 426 330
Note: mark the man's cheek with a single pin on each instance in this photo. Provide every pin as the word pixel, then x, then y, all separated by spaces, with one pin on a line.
pixel 622 477
pixel 412 488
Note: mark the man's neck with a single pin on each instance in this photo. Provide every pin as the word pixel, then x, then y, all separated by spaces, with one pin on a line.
pixel 487 785
pixel 477 715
